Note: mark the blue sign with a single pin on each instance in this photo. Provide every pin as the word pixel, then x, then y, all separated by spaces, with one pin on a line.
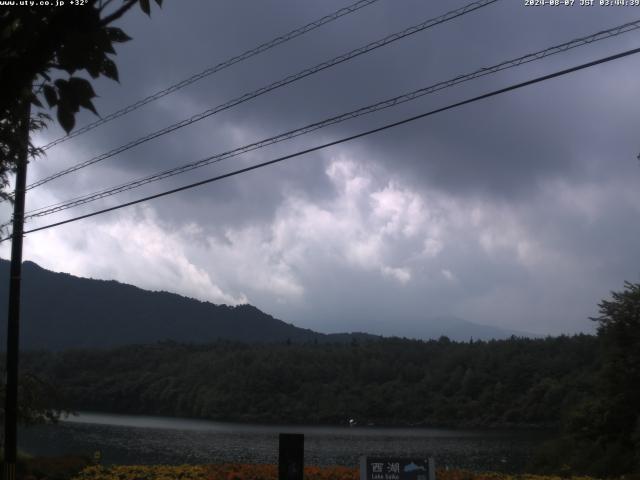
pixel 393 468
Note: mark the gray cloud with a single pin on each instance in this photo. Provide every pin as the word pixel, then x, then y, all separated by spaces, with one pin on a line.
pixel 520 211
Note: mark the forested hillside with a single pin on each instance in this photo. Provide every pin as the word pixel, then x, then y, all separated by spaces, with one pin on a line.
pixel 74 312
pixel 392 381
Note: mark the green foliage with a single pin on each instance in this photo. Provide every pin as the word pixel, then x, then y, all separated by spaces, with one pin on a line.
pixel 525 382
pixel 37 400
pixel 39 46
pixel 602 432
pixel 619 332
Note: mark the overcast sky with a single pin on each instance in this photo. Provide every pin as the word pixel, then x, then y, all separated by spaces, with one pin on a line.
pixel 520 211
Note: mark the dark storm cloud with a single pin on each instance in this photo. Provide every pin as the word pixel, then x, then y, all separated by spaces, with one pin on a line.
pixel 525 202
pixel 494 145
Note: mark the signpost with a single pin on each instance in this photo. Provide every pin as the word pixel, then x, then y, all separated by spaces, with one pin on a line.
pixel 291 456
pixel 393 468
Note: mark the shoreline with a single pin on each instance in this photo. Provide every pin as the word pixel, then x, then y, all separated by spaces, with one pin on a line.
pixel 248 423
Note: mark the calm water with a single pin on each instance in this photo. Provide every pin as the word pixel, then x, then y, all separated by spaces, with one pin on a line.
pixel 128 439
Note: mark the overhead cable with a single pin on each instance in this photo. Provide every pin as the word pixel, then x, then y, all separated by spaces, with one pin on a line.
pixel 278 84
pixel 342 140
pixel 81 200
pixel 216 68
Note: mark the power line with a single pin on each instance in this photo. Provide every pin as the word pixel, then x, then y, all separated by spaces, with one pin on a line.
pixel 280 83
pixel 343 140
pixel 220 66
pixel 81 200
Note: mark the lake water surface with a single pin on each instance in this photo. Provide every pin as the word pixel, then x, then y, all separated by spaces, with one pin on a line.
pixel 131 439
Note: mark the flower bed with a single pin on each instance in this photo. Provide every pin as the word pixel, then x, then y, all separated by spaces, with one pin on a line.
pixel 265 472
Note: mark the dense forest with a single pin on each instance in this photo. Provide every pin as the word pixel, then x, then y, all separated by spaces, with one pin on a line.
pixel 588 387
pixel 526 382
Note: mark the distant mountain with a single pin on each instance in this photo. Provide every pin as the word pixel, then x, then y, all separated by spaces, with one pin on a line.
pixel 61 311
pixel 459 330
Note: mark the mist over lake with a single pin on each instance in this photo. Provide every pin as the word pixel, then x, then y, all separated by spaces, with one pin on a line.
pixel 129 439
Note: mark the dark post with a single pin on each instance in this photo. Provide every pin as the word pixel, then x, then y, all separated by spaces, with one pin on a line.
pixel 291 456
pixel 13 323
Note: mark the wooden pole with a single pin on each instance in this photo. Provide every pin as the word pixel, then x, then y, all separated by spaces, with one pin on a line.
pixel 13 323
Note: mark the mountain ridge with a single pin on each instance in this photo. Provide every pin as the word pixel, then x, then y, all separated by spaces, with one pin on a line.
pixel 76 312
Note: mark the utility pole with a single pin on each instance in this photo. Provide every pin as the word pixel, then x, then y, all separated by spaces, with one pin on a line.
pixel 15 280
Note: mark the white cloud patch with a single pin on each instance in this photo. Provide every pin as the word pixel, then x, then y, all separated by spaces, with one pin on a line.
pixel 249 259
pixel 373 238
pixel 402 275
pixel 446 273
pixel 360 226
pixel 432 247
pixel 134 248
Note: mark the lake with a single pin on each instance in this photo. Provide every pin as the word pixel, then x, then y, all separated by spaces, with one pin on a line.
pixel 131 439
